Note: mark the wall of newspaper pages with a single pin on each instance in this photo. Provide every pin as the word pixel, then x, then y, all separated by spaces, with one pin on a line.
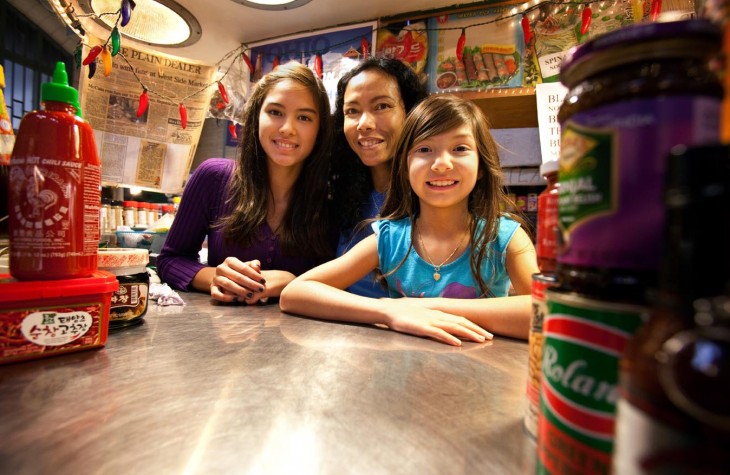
pixel 152 152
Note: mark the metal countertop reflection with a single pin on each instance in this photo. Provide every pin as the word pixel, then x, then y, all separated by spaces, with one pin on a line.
pixel 217 389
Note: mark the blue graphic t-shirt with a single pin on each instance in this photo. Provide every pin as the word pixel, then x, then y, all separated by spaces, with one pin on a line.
pixel 415 277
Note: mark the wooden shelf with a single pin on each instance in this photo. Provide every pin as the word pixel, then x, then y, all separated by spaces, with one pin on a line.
pixel 506 108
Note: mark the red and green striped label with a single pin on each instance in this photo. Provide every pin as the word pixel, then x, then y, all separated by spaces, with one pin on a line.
pixel 584 340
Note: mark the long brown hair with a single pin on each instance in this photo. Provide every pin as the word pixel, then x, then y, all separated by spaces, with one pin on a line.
pixel 436 115
pixel 307 227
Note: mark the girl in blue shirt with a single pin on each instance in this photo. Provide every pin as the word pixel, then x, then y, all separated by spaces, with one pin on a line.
pixel 442 239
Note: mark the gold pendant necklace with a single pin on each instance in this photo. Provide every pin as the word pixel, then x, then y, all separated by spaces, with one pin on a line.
pixel 437 268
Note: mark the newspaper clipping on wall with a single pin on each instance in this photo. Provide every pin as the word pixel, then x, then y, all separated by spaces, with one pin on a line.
pixel 152 151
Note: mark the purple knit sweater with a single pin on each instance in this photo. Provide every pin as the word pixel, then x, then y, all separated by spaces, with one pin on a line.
pixel 203 203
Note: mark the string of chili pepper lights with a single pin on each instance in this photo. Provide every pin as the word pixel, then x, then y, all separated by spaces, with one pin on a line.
pixel 107 51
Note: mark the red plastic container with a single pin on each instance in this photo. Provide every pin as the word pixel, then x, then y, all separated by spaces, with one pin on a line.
pixel 47 318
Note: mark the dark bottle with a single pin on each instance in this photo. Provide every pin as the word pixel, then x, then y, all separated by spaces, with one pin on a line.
pixel 673 413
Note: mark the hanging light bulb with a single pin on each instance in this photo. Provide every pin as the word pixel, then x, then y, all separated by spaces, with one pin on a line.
pixel 460 44
pixel 365 48
pixel 183 115
pixel 95 51
pixel 143 101
pixel 106 61
pixel 92 69
pixel 77 57
pixel 656 9
pixel 222 90
pixel 116 41
pixel 126 12
pixel 585 22
pixel 247 60
pixel 526 28
pixel 318 65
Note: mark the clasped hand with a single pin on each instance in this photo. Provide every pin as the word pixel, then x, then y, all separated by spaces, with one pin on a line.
pixel 238 281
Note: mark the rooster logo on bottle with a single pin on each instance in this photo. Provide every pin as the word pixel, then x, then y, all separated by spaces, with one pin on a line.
pixel 38 198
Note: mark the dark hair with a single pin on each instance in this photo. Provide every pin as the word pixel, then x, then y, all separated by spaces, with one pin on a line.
pixel 434 116
pixel 352 181
pixel 307 225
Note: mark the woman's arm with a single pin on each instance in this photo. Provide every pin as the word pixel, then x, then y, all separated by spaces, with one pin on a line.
pixel 318 293
pixel 509 316
pixel 178 262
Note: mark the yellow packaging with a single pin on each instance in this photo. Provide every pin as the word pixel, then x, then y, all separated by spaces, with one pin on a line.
pixel 7 137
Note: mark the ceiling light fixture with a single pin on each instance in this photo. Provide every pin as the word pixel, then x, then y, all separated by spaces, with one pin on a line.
pixel 273 4
pixel 153 22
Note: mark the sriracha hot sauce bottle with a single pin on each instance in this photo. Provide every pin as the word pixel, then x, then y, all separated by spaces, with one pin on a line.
pixel 54 192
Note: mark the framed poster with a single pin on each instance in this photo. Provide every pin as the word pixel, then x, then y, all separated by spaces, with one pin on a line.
pixel 340 49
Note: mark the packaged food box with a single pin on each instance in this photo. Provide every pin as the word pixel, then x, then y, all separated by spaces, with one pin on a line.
pixel 46 318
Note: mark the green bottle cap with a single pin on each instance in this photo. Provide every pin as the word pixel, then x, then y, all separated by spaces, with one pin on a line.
pixel 58 90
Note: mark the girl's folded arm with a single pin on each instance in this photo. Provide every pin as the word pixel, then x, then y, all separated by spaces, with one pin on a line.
pixel 508 316
pixel 320 292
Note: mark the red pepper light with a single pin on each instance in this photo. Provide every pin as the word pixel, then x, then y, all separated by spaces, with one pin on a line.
pixel 318 65
pixel 232 130
pixel 586 20
pixel 143 101
pixel 656 9
pixel 183 115
pixel 365 48
pixel 275 63
pixel 526 29
pixel 460 45
pixel 247 60
pixel 92 55
pixel 224 94
pixel 220 105
pixel 126 13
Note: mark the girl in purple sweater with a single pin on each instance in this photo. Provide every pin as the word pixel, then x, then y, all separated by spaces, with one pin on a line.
pixel 266 215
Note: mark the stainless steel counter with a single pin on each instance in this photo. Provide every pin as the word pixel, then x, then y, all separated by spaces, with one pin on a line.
pixel 217 389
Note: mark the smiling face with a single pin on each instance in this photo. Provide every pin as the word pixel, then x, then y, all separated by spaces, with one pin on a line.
pixel 288 124
pixel 444 168
pixel 374 114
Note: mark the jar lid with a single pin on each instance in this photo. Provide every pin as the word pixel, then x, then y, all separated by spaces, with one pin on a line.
pixel 640 42
pixel 126 260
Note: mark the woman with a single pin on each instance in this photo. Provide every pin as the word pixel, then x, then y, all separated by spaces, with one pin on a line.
pixel 372 102
pixel 273 221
